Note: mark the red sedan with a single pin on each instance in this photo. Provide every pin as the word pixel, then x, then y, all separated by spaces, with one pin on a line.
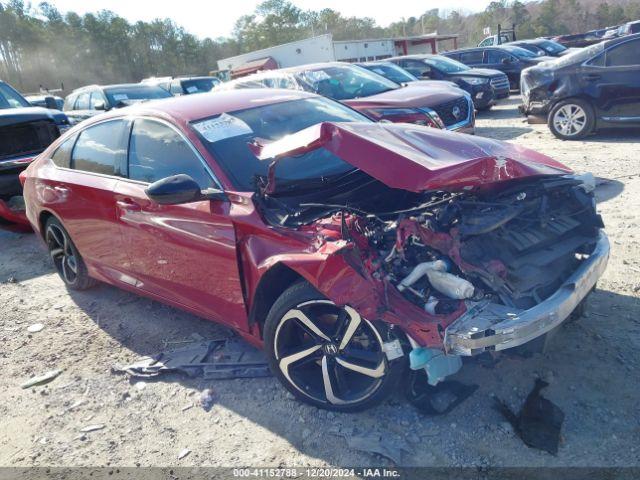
pixel 347 249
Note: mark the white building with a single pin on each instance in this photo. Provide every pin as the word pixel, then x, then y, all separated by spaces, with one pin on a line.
pixel 323 49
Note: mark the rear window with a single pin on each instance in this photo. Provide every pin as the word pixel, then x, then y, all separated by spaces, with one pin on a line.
pixel 62 156
pixel 100 148
pixel 121 96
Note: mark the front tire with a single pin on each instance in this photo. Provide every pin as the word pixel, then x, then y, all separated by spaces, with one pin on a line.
pixel 571 119
pixel 326 355
pixel 65 256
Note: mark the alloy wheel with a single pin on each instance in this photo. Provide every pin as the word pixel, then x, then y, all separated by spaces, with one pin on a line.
pixel 329 353
pixel 62 253
pixel 570 120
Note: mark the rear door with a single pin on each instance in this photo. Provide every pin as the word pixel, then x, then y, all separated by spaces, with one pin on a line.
pixel 473 58
pixel 183 253
pixel 613 80
pixel 79 189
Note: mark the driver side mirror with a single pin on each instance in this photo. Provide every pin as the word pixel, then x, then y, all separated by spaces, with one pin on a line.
pixel 179 189
pixel 100 106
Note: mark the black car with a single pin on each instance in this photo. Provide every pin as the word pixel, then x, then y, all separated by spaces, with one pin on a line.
pixel 88 101
pixel 25 131
pixel 542 47
pixel 508 59
pixel 483 85
pixel 184 85
pixel 595 87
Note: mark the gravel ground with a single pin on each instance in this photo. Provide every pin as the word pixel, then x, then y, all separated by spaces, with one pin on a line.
pixel 591 365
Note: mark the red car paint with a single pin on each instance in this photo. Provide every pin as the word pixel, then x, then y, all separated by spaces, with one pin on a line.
pixel 213 258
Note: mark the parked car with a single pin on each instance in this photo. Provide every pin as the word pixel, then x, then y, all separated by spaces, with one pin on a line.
pixel 492 40
pixel 371 94
pixel 184 85
pixel 484 85
pixel 542 47
pixel 399 75
pixel 47 101
pixel 629 28
pixel 339 245
pixel 509 60
pixel 596 87
pixel 92 100
pixel 585 39
pixel 25 131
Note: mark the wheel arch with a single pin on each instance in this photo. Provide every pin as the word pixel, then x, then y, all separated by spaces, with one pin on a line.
pixel 43 217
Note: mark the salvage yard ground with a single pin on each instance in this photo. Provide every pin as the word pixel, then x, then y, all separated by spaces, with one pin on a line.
pixel 591 365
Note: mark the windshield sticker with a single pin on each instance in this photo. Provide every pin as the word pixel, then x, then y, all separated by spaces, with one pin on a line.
pixel 192 89
pixel 222 127
pixel 120 96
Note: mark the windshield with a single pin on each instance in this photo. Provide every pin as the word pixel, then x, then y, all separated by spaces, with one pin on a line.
pixel 577 56
pixel 519 51
pixel 345 82
pixel 445 64
pixel 391 72
pixel 9 98
pixel 551 47
pixel 135 93
pixel 199 85
pixel 227 136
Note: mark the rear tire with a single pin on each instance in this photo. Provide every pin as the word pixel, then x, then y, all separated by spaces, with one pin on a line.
pixel 65 256
pixel 571 119
pixel 328 355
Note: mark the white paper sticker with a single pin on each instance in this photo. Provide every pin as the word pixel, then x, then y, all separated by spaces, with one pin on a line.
pixel 192 89
pixel 392 350
pixel 120 96
pixel 222 127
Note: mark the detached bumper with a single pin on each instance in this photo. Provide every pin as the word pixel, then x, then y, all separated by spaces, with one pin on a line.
pixel 489 326
pixel 13 217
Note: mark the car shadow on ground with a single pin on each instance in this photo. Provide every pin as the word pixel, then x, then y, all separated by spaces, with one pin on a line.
pixel 499 112
pixel 575 357
pixel 502 133
pixel 617 135
pixel 606 189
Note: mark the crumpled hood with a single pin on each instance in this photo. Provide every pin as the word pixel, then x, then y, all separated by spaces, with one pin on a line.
pixel 13 116
pixel 413 95
pixel 416 158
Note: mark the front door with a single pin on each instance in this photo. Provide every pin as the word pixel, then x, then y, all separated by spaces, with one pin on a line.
pixel 613 80
pixel 183 253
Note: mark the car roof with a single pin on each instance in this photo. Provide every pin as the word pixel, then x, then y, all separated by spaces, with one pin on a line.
pixel 116 85
pixel 626 38
pixel 187 108
pixel 415 56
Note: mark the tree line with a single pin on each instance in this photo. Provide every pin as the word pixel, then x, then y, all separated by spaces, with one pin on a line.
pixel 39 46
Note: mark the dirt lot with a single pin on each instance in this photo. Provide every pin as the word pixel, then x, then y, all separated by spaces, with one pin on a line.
pixel 592 366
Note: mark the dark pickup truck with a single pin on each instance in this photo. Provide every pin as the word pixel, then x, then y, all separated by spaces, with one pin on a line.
pixel 25 131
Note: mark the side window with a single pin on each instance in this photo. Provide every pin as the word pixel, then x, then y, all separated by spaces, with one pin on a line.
pixel 95 99
pixel 418 68
pixel 598 61
pixel 486 42
pixel 471 57
pixel 100 148
pixel 82 103
pixel 626 54
pixel 157 151
pixel 496 56
pixel 62 156
pixel 176 88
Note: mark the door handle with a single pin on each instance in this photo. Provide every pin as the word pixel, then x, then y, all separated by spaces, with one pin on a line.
pixel 592 77
pixel 128 205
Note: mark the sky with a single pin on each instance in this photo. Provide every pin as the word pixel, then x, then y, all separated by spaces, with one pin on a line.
pixel 216 18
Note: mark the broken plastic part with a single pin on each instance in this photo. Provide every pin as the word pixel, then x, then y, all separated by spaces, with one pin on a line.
pixel 430 306
pixel 436 363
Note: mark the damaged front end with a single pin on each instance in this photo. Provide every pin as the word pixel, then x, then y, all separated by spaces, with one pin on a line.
pixel 486 262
